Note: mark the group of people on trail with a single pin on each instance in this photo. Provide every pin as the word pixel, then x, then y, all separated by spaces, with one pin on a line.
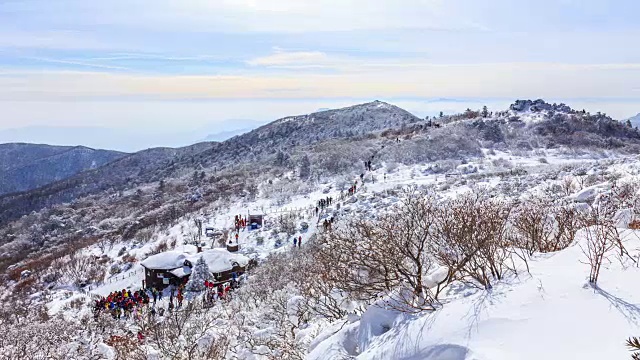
pixel 297 242
pixel 322 203
pixel 367 165
pixel 177 294
pixel 353 188
pixel 240 222
pixel 326 224
pixel 122 303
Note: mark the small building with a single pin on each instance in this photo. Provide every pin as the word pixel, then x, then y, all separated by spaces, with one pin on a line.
pixel 257 219
pixel 174 267
pixel 167 268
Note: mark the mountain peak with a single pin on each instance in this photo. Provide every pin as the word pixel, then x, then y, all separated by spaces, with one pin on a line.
pixel 538 105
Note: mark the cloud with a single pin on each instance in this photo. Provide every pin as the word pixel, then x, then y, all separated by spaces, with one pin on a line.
pixel 497 80
pixel 78 63
pixel 294 60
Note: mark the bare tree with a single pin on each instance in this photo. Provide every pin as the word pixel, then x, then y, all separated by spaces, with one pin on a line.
pixel 472 240
pixel 186 333
pixel 601 237
pixel 568 185
pixel 388 256
pixel 533 225
pixel 541 227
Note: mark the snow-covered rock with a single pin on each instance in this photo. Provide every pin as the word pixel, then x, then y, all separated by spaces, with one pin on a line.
pixel 623 218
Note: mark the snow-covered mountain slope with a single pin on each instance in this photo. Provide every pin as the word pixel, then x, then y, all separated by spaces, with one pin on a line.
pixel 551 313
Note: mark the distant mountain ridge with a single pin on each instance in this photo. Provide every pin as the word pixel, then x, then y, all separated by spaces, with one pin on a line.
pixel 25 167
pixel 126 140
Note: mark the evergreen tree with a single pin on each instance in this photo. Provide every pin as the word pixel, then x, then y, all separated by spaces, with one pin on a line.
pixel 199 273
pixel 629 123
pixel 441 114
pixel 281 158
pixel 305 167
pixel 485 111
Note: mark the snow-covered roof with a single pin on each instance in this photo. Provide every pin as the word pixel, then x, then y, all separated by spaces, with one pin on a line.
pixel 220 260
pixel 181 271
pixel 165 261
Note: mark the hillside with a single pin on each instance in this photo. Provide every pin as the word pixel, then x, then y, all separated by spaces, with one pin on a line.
pixel 28 166
pixel 125 173
pixel 155 164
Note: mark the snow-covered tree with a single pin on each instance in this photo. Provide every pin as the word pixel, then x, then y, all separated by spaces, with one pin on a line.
pixel 199 274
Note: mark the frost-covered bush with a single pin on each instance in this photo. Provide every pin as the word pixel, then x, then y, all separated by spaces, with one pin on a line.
pixel 502 163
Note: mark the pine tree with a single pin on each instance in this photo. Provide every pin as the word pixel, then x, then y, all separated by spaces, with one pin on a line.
pixel 199 273
pixel 629 123
pixel 305 167
pixel 485 111
pixel 441 114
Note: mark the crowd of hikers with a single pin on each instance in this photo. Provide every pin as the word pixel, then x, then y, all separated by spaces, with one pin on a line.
pixel 240 222
pixel 122 304
pixel 125 304
pixel 322 203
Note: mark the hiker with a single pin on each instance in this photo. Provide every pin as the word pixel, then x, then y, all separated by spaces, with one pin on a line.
pixel 295 242
pixel 180 298
pixel 237 236
pixel 300 241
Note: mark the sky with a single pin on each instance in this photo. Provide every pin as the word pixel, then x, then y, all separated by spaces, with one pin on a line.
pixel 175 66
